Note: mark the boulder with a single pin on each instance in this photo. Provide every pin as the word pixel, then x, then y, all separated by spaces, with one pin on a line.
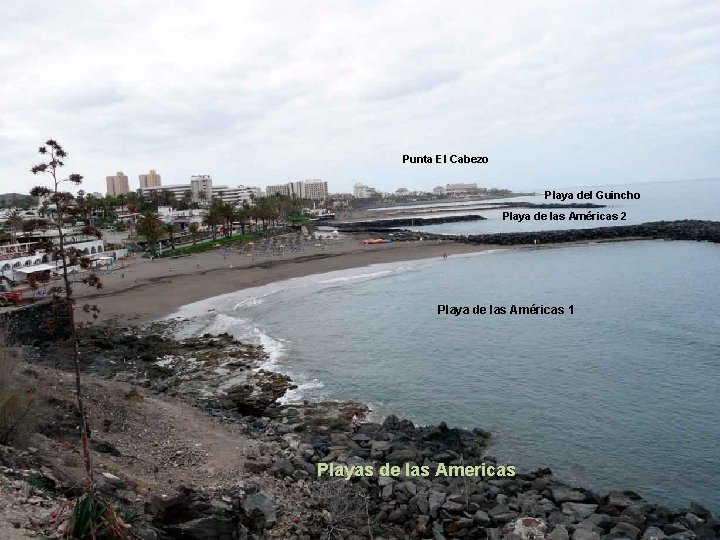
pixel 390 422
pixel 205 528
pixel 699 510
pixel 578 511
pixel 653 533
pixel 559 533
pixel 624 529
pixel 260 510
pixel 172 510
pixel 562 493
pixel 282 468
pixel 585 534
pixel 435 500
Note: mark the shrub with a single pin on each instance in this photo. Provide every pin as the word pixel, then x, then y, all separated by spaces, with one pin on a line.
pixel 16 405
pixel 93 517
pixel 345 508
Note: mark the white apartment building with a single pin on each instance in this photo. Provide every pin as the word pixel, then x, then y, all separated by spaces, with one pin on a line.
pixel 303 189
pixel 458 189
pixel 362 191
pixel 198 184
pixel 238 195
pixel 118 184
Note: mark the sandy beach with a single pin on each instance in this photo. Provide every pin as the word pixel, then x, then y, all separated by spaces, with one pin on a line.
pixel 142 289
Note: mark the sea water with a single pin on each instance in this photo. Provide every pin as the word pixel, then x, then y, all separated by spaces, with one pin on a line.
pixel 621 394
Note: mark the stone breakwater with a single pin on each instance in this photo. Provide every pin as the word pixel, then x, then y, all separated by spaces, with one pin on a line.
pixel 282 497
pixel 664 230
pixel 697 230
pixel 359 226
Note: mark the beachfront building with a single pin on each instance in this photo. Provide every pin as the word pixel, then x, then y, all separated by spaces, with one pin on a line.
pixel 151 179
pixel 440 190
pixel 455 190
pixel 201 190
pixel 302 189
pixel 201 187
pixel 198 184
pixel 238 195
pixel 277 189
pixel 21 259
pixel 118 184
pixel 362 191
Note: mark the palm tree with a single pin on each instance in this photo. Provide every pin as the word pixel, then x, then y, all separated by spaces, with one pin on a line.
pixel 212 219
pixel 170 229
pixel 15 223
pixel 241 215
pixel 194 227
pixel 151 227
pixel 228 213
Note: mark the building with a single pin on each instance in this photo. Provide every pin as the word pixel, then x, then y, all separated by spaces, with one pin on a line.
pixel 198 184
pixel 303 189
pixel 282 189
pixel 439 190
pixel 201 190
pixel 361 191
pixel 179 190
pixel 152 179
pixel 201 187
pixel 402 192
pixel 315 189
pixel 460 189
pixel 238 195
pixel 118 184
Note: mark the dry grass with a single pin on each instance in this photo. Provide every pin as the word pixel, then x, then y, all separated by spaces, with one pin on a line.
pixel 343 506
pixel 17 403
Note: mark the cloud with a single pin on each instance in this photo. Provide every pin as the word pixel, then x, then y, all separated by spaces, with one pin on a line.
pixel 255 93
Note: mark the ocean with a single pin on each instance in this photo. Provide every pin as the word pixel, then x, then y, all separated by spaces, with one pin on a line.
pixel 693 199
pixel 618 392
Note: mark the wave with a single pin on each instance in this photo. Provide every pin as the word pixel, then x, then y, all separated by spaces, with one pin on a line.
pixel 357 277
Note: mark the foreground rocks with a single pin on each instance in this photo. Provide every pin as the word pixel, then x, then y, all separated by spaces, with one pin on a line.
pixel 280 494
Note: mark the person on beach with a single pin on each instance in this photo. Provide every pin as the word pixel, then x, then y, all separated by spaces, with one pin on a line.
pixel 444 255
pixel 355 423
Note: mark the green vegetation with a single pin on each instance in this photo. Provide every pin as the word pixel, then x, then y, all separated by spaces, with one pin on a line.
pixel 209 245
pixel 95 518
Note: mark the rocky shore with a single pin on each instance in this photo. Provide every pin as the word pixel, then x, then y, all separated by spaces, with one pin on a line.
pixel 697 230
pixel 279 495
pixel 381 224
pixel 688 229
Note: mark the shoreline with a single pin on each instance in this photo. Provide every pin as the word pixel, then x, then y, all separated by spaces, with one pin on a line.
pixel 283 444
pixel 144 290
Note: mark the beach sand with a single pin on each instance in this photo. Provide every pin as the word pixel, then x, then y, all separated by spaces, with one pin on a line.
pixel 145 289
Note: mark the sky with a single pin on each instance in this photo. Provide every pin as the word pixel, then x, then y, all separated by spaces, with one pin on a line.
pixel 553 93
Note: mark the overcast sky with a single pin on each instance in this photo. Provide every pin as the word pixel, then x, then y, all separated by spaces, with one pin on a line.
pixel 554 93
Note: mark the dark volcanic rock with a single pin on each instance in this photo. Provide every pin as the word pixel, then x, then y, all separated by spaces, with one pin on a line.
pixel 261 390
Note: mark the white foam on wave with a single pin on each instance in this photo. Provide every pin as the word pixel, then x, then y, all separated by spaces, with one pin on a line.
pixel 276 349
pixel 222 323
pixel 357 277
pixel 304 390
